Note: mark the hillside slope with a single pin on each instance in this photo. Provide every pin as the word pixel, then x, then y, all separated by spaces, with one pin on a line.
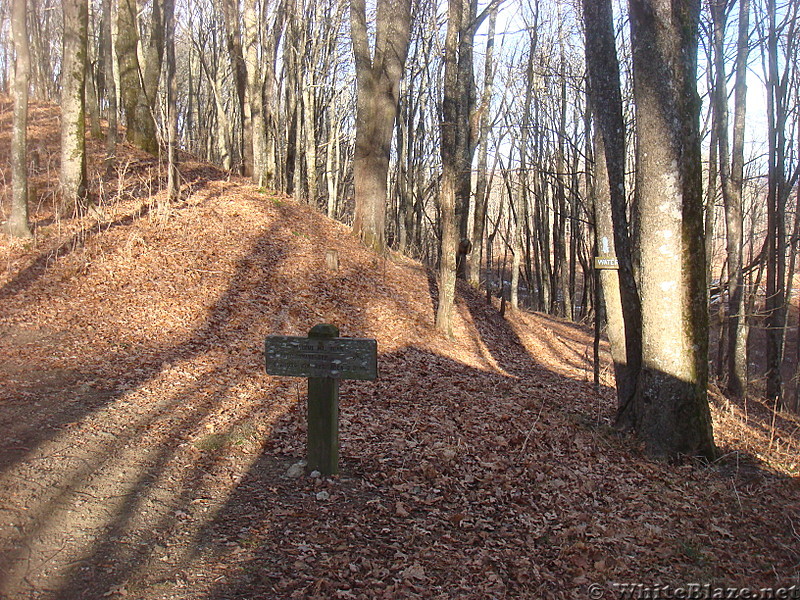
pixel 146 452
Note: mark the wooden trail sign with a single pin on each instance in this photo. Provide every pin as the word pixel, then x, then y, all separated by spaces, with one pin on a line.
pixel 338 358
pixel 324 358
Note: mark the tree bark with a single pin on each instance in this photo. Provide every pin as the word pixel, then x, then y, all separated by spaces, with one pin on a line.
pixel 233 36
pixel 671 411
pixel 255 94
pixel 776 219
pixel 127 41
pixel 271 95
pixel 447 192
pixel 17 224
pixel 173 177
pixel 292 103
pixel 134 79
pixel 378 77
pixel 468 117
pixel 731 174
pixel 623 309
pixel 560 299
pixel 73 129
pixel 153 58
pixel 93 75
pixel 109 86
pixel 481 189
pixel 516 246
pixel 310 131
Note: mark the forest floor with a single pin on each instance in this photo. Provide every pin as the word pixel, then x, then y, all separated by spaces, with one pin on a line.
pixel 146 454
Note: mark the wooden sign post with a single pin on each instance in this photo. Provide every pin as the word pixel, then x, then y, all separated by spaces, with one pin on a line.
pixel 324 358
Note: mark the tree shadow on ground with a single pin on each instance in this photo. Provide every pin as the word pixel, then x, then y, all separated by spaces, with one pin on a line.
pixel 128 522
pixel 448 475
pixel 96 500
pixel 449 499
pixel 30 415
pixel 122 532
pixel 440 461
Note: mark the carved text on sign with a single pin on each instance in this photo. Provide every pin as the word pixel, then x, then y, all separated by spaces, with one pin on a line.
pixel 337 358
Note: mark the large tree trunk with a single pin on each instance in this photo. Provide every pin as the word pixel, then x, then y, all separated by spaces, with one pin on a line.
pixel 73 129
pixel 127 41
pixel 624 374
pixel 671 410
pixel 378 77
pixel 153 57
pixel 216 81
pixel 17 224
pixel 272 177
pixel 138 85
pixel 623 309
pixel 468 118
pixel 255 94
pixel 233 36
pixel 447 192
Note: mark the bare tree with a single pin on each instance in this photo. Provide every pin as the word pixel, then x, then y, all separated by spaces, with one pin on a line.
pixel 378 76
pixel 731 166
pixel 43 33
pixel 479 217
pixel 109 84
pixel 670 410
pixel 17 224
pixel 255 93
pixel 782 80
pixel 459 121
pixel 623 311
pixel 73 129
pixel 173 177
pixel 233 38
pixel 449 151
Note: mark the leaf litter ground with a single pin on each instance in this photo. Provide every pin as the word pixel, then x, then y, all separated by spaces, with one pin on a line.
pixel 146 454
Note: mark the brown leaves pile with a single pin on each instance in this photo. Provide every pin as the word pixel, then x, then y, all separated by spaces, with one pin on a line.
pixel 146 452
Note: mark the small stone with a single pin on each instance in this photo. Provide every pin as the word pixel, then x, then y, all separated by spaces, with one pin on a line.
pixel 296 470
pixel 315 474
pixel 323 495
